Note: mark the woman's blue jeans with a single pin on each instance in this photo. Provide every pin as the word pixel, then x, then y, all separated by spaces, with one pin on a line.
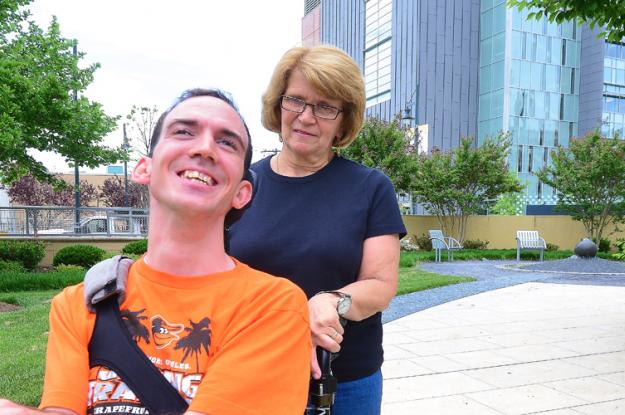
pixel 360 396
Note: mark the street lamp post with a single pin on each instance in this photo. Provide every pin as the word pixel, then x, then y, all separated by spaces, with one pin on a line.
pixel 76 171
pixel 125 147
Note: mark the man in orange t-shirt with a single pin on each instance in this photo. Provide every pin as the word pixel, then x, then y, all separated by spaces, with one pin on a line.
pixel 230 339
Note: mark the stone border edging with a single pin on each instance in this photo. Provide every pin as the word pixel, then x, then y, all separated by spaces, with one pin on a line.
pixel 520 268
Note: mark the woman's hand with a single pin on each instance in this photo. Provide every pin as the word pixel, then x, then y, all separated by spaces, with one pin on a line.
pixel 325 327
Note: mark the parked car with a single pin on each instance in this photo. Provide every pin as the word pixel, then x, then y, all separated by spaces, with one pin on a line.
pixel 99 225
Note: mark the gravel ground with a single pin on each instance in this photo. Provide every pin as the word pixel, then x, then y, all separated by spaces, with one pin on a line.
pixel 492 275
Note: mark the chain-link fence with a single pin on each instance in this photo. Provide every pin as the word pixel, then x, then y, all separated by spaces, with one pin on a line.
pixel 68 221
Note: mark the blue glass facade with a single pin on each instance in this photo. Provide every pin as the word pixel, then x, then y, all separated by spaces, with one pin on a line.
pixel 613 124
pixel 529 88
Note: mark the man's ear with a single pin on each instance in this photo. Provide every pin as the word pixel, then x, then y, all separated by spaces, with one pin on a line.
pixel 141 172
pixel 243 194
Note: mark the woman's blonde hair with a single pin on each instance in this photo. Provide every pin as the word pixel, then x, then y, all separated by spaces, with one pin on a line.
pixel 332 73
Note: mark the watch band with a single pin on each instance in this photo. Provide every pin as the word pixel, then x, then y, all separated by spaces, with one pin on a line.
pixel 339 293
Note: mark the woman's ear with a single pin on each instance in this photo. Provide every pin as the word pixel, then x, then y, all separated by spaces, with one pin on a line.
pixel 141 172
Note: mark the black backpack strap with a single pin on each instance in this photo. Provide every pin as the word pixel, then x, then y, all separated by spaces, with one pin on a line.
pixel 112 346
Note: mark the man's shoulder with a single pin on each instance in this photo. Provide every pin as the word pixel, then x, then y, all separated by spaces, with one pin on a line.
pixel 69 305
pixel 71 295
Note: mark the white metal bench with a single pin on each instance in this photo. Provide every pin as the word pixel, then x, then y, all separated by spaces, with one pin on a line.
pixel 440 242
pixel 529 240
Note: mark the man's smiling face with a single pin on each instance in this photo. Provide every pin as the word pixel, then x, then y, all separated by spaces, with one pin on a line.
pixel 198 162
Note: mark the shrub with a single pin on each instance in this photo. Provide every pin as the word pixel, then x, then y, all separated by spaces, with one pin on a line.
pixel 423 242
pixel 11 266
pixel 474 244
pixel 136 247
pixel 620 245
pixel 407 244
pixel 82 255
pixel 604 244
pixel 28 253
pixel 552 247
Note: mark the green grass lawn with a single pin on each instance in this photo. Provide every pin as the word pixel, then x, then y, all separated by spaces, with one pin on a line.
pixel 414 279
pixel 23 336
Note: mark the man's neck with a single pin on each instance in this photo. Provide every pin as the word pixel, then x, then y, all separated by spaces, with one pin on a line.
pixel 188 245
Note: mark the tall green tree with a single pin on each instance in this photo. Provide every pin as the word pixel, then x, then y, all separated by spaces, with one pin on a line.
pixel 456 184
pixel 385 146
pixel 38 78
pixel 590 179
pixel 609 14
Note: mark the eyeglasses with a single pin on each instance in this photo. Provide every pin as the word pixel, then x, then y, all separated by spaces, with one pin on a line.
pixel 297 105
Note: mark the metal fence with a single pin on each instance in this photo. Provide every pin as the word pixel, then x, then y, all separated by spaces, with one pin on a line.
pixel 68 221
pixel 522 205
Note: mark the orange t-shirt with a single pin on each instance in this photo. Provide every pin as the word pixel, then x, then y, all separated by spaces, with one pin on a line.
pixel 236 342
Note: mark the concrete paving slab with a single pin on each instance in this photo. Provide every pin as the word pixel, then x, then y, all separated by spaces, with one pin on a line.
pixel 589 389
pixel 447 405
pixel 482 359
pixel 485 354
pixel 530 373
pixel 614 377
pixel 526 399
pixel 605 408
pixel 431 386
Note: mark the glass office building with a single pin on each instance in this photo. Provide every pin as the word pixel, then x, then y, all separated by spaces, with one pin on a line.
pixel 529 87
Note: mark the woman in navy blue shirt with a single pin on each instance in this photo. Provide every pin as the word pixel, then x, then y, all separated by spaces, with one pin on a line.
pixel 330 225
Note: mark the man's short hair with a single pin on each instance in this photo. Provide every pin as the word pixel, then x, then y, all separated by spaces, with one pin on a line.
pixel 201 92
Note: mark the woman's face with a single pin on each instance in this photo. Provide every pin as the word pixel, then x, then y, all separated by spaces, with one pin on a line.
pixel 305 134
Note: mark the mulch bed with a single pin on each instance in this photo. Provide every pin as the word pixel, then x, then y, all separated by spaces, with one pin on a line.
pixel 4 307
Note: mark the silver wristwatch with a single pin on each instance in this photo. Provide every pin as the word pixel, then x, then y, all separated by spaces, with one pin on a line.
pixel 344 303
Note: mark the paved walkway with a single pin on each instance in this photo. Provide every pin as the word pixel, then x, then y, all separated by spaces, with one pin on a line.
pixel 554 345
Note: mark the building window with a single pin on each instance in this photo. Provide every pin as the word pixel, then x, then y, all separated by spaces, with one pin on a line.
pixel 378 28
pixel 556 138
pixel 614 91
pixel 519 164
pixel 530 158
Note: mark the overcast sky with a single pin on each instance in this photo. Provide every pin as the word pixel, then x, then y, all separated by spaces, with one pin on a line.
pixel 150 51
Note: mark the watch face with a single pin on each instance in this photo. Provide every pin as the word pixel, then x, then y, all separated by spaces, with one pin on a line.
pixel 343 305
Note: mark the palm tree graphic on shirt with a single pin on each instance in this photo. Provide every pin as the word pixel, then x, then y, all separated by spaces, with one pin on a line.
pixel 198 337
pixel 137 329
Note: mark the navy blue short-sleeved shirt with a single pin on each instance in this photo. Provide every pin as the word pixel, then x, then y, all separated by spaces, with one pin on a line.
pixel 311 230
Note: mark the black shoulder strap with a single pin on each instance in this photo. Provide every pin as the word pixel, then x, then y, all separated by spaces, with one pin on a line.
pixel 112 346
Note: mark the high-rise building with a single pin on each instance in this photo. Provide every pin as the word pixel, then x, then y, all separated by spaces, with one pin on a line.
pixel 471 68
pixel 529 87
